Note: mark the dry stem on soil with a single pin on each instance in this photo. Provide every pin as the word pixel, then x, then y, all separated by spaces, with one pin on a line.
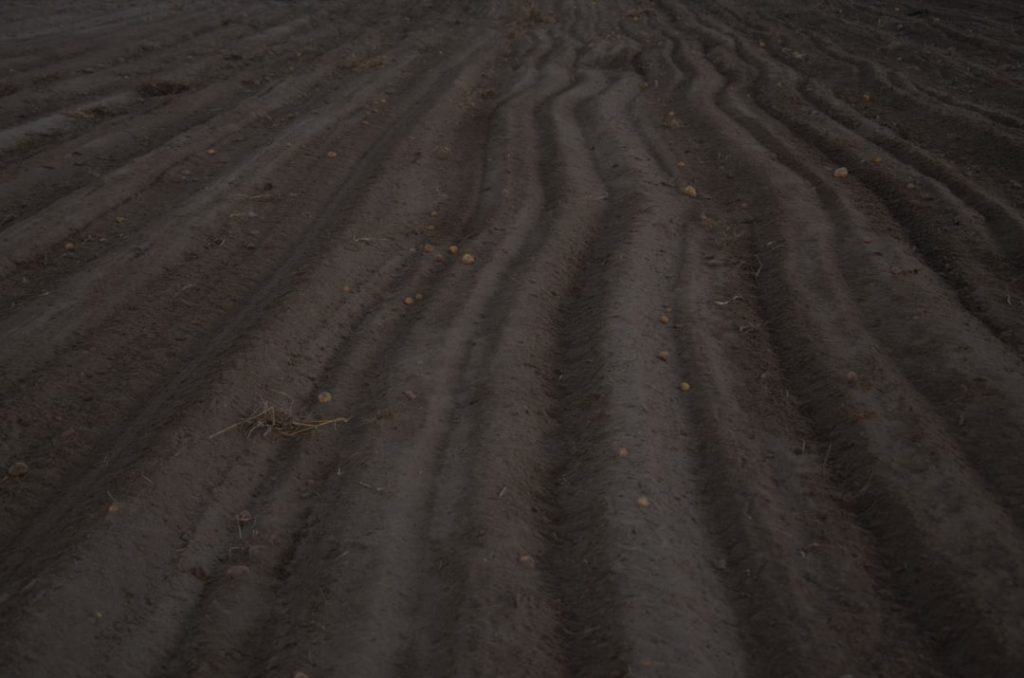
pixel 268 418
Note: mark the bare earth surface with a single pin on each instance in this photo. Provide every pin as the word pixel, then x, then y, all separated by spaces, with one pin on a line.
pixel 208 209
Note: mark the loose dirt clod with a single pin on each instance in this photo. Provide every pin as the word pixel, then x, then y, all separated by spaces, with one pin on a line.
pixel 454 249
pixel 468 259
pixel 643 502
pixel 622 452
pixel 841 173
pixel 663 356
pixel 17 469
pixel 408 301
pixel 684 387
pixel 325 397
pixel 690 192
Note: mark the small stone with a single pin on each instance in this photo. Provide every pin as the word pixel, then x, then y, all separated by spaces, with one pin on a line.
pixel 877 160
pixel 17 469
pixel 419 297
pixel 346 289
pixel 852 377
pixel 408 301
pixel 428 248
pixel 622 452
pixel 690 192
pixel 643 502
pixel 663 319
pixel 663 356
pixel 245 517
pixel 211 151
pixel 454 249
pixel 69 247
pixel 116 507
pixel 528 561
pixel 684 387
pixel 332 155
pixel 325 397
pixel 841 173
pixel 468 259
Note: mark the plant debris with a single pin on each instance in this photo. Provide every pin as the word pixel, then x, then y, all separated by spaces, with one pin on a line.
pixel 268 419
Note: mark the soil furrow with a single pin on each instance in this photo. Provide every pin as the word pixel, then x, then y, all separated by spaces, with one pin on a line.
pixel 545 338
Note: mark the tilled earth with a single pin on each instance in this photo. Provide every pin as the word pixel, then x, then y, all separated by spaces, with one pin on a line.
pixel 701 404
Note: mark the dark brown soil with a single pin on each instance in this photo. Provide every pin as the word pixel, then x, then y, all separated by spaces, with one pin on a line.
pixel 212 209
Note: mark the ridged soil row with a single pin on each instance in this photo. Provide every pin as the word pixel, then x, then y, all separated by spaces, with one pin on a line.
pixel 126 355
pixel 461 610
pixel 918 344
pixel 141 531
pixel 383 591
pixel 71 84
pixel 668 477
pixel 80 134
pixel 792 558
pixel 225 116
pixel 152 243
pixel 911 147
pixel 966 233
pixel 48 55
pixel 919 48
pixel 880 430
pixel 237 624
pixel 373 601
pixel 194 369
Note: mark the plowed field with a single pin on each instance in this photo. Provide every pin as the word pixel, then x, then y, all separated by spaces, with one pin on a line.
pixel 730 384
